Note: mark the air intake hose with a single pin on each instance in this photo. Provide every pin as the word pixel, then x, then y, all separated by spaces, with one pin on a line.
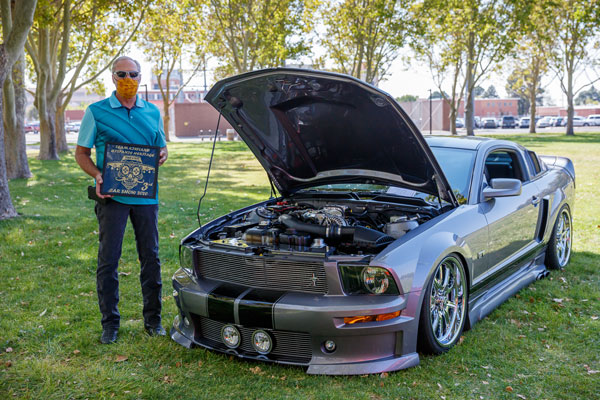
pixel 359 235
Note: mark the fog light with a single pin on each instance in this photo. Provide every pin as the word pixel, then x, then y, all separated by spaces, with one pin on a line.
pixel 230 336
pixel 261 341
pixel 329 346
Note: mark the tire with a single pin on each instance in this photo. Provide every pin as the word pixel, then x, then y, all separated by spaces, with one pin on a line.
pixel 558 253
pixel 439 327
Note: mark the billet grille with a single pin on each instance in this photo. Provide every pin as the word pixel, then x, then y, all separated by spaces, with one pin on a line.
pixel 292 347
pixel 263 272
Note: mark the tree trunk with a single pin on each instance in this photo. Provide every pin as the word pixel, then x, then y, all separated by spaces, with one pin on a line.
pixel 470 85
pixel 47 113
pixel 61 134
pixel 15 151
pixel 570 109
pixel 7 210
pixel 453 120
pixel 532 105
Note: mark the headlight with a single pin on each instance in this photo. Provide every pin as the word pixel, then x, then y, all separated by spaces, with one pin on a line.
pixel 186 258
pixel 361 279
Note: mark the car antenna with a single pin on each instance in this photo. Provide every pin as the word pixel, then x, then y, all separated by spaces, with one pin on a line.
pixel 208 173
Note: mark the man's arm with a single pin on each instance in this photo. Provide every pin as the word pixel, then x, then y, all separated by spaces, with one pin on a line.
pixel 164 154
pixel 84 159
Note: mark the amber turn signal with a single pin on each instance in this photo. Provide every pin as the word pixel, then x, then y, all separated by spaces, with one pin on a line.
pixel 371 318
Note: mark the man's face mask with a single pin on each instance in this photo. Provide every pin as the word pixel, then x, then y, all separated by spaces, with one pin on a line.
pixel 127 87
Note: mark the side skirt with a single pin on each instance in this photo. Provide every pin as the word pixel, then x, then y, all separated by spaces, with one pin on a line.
pixel 487 302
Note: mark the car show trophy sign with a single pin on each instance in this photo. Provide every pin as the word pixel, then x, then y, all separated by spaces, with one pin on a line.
pixel 130 170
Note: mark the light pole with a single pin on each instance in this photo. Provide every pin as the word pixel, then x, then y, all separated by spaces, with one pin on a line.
pixel 430 112
pixel 146 87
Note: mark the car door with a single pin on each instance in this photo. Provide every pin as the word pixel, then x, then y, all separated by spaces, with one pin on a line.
pixel 512 221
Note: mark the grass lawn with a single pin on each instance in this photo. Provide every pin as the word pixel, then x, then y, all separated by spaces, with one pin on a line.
pixel 535 346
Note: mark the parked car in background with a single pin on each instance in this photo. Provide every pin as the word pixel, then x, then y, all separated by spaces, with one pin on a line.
pixel 32 127
pixel 544 122
pixel 477 122
pixel 460 123
pixel 354 268
pixel 593 120
pixel 73 126
pixel 489 123
pixel 560 121
pixel 579 121
pixel 524 122
pixel 508 121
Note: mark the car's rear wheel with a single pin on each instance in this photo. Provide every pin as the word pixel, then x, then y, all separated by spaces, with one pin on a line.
pixel 558 253
pixel 444 309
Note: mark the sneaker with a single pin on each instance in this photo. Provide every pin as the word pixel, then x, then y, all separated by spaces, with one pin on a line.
pixel 109 335
pixel 156 331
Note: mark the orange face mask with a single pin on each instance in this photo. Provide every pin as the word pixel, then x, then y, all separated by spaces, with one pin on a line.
pixel 127 87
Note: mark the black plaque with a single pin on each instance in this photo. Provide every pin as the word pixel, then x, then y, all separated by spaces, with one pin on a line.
pixel 130 170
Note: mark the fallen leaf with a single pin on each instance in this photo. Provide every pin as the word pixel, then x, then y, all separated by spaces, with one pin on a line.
pixel 76 351
pixel 509 389
pixel 383 375
pixel 167 379
pixel 283 378
pixel 531 299
pixel 557 300
pixel 9 349
pixel 521 336
pixel 43 312
pixel 199 364
pixel 521 396
pixel 8 364
pixel 256 370
pixel 485 382
pixel 125 273
pixel 178 364
pixel 440 386
pixel 595 317
pixel 121 358
pixel 172 235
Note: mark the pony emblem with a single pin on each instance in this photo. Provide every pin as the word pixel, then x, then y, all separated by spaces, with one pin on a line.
pixel 130 171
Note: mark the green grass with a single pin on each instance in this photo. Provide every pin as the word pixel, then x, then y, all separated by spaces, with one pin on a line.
pixel 49 319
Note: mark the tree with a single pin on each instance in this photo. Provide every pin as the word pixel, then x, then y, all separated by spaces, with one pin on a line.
pixel 409 98
pixel 245 35
pixel 576 24
pixel 520 84
pixel 491 29
pixel 590 96
pixel 490 93
pixel 478 91
pixel 363 37
pixel 75 39
pixel 439 41
pixel 181 37
pixel 14 35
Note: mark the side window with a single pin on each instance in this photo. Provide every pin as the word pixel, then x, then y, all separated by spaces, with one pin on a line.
pixel 535 163
pixel 503 164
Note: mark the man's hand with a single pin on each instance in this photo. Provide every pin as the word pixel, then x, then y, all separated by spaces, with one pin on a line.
pixel 99 182
pixel 164 154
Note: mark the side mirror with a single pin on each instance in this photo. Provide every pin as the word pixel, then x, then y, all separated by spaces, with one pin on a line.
pixel 502 187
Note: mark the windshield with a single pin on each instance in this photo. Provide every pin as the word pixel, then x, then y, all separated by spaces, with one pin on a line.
pixel 457 165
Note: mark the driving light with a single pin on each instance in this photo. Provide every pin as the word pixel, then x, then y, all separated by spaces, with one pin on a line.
pixel 262 343
pixel 329 346
pixel 230 336
pixel 365 279
pixel 371 318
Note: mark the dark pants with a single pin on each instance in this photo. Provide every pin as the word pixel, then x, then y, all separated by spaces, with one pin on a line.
pixel 112 219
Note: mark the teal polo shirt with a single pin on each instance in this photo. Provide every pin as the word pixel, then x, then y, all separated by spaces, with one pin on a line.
pixel 108 121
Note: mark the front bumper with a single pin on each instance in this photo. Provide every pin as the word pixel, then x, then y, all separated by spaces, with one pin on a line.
pixel 299 323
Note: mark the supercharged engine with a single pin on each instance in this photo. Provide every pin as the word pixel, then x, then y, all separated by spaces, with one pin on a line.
pixel 317 227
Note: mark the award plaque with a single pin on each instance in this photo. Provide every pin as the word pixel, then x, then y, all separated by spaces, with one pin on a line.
pixel 130 170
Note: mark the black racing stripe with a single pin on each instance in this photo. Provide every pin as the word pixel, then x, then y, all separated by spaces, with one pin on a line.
pixel 256 308
pixel 221 301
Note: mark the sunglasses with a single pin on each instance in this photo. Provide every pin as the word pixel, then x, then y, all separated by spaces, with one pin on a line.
pixel 123 74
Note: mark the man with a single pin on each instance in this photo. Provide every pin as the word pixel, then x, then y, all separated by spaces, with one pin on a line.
pixel 125 118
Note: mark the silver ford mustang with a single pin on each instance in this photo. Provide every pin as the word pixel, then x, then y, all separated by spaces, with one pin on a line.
pixel 380 244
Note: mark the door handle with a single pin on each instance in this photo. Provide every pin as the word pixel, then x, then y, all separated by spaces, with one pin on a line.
pixel 535 200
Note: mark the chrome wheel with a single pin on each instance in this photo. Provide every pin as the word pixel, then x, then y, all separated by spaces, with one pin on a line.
pixel 447 301
pixel 562 239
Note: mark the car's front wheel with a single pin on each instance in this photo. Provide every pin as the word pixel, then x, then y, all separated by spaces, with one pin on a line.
pixel 443 313
pixel 559 246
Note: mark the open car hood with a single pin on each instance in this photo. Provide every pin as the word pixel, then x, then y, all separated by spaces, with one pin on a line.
pixel 309 128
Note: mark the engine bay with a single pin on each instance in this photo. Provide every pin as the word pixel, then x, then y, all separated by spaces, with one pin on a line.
pixel 318 226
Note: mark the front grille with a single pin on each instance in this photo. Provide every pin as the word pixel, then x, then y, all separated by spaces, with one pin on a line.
pixel 263 272
pixel 292 347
